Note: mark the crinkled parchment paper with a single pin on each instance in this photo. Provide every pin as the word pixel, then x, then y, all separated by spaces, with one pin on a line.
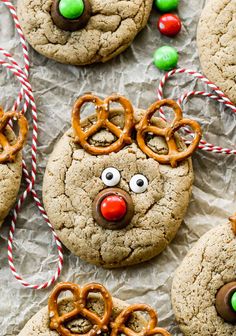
pixel 55 88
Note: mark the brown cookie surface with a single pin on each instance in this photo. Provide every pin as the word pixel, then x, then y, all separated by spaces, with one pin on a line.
pixel 73 179
pixel 216 42
pixel 111 28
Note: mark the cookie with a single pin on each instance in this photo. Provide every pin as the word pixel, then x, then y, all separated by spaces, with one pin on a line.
pixel 10 178
pixel 107 28
pixel 38 325
pixel 207 269
pixel 83 193
pixel 216 44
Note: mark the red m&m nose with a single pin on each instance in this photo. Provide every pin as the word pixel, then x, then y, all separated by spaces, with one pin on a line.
pixel 113 208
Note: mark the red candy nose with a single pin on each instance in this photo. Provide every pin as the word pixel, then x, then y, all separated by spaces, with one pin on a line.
pixel 113 208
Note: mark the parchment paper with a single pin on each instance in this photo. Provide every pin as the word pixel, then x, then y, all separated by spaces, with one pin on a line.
pixel 55 88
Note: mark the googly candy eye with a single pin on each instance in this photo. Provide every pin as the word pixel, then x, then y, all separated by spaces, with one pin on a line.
pixel 138 183
pixel 110 176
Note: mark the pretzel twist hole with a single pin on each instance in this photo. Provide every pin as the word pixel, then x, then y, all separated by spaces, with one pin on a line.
pixel 119 325
pixel 80 296
pixel 174 155
pixel 9 150
pixel 102 111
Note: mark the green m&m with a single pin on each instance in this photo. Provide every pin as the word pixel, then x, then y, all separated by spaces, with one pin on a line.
pixel 71 9
pixel 233 301
pixel 225 303
pixel 166 5
pixel 166 58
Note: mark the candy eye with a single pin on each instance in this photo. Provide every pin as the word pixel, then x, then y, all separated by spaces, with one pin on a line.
pixel 138 183
pixel 110 177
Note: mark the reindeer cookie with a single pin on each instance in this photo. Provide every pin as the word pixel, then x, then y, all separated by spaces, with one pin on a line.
pixel 118 183
pixel 204 286
pixel 91 311
pixel 82 32
pixel 10 160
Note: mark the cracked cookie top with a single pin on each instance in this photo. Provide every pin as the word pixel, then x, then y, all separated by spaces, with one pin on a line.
pixel 112 26
pixel 216 41
pixel 10 178
pixel 209 265
pixel 73 179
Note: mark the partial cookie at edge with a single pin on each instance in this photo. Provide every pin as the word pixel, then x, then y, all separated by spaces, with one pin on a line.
pixel 110 30
pixel 209 265
pixel 216 41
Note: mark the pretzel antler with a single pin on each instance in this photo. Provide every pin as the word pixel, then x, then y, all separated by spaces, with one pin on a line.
pixel 119 325
pixel 168 132
pixel 233 222
pixel 99 324
pixel 57 322
pixel 102 110
pixel 9 151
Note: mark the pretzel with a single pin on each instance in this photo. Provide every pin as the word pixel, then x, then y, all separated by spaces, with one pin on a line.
pixel 102 110
pixel 9 151
pixel 173 156
pixel 233 222
pixel 57 322
pixel 118 326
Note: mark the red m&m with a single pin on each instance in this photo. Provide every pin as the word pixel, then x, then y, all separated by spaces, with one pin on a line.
pixel 113 208
pixel 169 24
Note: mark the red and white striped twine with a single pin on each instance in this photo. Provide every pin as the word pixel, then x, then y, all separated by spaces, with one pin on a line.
pixel 218 96
pixel 26 99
